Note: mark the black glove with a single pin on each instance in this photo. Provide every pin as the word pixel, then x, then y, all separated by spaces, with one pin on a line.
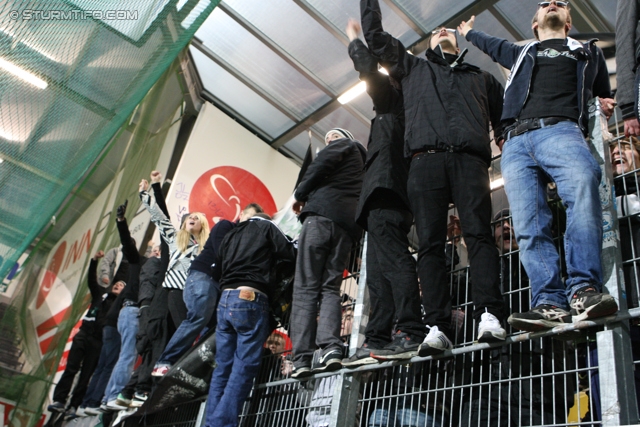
pixel 122 209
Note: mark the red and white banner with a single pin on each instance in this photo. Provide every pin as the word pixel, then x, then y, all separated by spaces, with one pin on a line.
pixel 224 168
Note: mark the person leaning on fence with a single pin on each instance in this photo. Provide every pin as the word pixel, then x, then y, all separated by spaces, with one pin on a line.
pixel 247 256
pixel 449 106
pixel 627 60
pixel 383 211
pixel 545 113
pixel 326 200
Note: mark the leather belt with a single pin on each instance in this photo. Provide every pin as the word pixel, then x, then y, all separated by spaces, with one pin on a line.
pixel 129 303
pixel 432 151
pixel 522 126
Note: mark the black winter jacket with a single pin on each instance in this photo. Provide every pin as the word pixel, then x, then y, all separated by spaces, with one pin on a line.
pixel 205 261
pixel 249 253
pixel 101 302
pixel 332 183
pixel 386 170
pixel 446 108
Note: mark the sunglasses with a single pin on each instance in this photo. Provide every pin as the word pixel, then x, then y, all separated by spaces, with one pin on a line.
pixel 449 30
pixel 544 4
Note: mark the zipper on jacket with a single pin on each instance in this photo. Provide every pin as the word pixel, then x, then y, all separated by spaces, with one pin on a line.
pixel 526 96
pixel 581 106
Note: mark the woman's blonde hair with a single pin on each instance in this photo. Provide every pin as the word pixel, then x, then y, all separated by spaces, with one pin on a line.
pixel 183 237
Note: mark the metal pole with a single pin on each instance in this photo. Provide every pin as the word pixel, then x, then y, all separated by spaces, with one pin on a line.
pixel 615 361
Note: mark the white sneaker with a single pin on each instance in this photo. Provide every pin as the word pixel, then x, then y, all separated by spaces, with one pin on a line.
pixel 80 412
pixel 490 329
pixel 93 411
pixel 112 405
pixel 435 342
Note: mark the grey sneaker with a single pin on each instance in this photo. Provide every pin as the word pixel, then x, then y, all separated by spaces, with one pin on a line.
pixel 56 407
pixel 361 357
pixel 402 347
pixel 301 370
pixel 542 317
pixel 587 303
pixel 435 342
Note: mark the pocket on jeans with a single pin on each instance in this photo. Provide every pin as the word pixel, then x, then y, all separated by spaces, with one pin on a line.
pixel 246 317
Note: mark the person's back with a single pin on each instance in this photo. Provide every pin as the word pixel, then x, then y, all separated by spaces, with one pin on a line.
pixel 248 255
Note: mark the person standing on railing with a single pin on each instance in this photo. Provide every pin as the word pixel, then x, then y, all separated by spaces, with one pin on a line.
pixel 627 60
pixel 326 201
pixel 546 119
pixel 449 106
pixel 383 211
pixel 247 256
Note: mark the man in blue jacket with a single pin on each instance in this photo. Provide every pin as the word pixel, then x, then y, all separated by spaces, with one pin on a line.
pixel 545 118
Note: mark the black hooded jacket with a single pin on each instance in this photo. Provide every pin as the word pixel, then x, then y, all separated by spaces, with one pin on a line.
pixel 332 183
pixel 446 107
pixel 386 170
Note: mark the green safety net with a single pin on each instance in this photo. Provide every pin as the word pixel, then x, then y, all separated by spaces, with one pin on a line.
pixel 104 81
pixel 71 72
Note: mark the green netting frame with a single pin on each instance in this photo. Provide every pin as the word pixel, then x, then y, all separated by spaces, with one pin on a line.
pixel 148 134
pixel 95 76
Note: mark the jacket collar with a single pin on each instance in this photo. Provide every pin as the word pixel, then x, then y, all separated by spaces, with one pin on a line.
pixel 438 58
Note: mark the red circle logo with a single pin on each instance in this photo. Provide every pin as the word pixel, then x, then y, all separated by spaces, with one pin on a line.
pixel 51 274
pixel 222 193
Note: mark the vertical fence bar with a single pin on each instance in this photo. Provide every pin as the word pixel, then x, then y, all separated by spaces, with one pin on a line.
pixel 344 405
pixel 361 311
pixel 615 362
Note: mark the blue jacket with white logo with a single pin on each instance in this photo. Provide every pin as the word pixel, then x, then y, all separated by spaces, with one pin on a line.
pixel 593 77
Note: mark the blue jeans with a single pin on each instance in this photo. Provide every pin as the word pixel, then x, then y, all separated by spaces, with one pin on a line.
pixel 243 327
pixel 200 296
pixel 108 359
pixel 404 418
pixel 560 153
pixel 128 328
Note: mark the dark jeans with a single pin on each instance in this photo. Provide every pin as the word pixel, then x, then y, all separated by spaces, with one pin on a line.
pixel 108 358
pixel 391 277
pixel 83 357
pixel 200 298
pixel 323 252
pixel 243 327
pixel 435 180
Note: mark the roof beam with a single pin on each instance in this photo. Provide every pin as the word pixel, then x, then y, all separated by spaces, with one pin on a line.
pixel 328 25
pixel 507 23
pixel 591 17
pixel 244 79
pixel 402 13
pixel 306 123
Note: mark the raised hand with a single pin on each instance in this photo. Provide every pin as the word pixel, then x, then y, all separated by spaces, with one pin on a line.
pixel 98 255
pixel 156 177
pixel 122 209
pixel 143 186
pixel 465 26
pixel 353 29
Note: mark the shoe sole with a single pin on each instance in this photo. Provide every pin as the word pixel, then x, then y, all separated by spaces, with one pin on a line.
pixel 136 404
pixel 490 337
pixel 364 361
pixel 92 413
pixel 304 374
pixel 123 402
pixel 154 374
pixel 58 410
pixel 426 350
pixel 396 356
pixel 330 366
pixel 604 308
pixel 536 325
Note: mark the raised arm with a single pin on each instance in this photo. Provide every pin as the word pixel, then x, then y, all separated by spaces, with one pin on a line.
pixel 107 265
pixel 390 51
pixel 501 51
pixel 95 289
pixel 129 249
pixel 166 229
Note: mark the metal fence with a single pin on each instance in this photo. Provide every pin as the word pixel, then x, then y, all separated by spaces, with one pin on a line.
pixel 578 374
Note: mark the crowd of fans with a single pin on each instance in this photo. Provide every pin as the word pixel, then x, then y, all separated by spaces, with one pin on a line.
pixel 429 147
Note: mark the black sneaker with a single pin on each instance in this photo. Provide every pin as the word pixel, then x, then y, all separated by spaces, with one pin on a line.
pixel 56 407
pixel 588 303
pixel 542 317
pixel 328 362
pixel 402 347
pixel 301 370
pixel 362 357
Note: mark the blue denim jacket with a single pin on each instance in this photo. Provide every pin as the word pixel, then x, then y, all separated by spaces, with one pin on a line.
pixel 593 77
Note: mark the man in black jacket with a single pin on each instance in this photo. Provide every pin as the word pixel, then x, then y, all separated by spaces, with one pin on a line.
pixel 85 348
pixel 326 201
pixel 448 106
pixel 248 256
pixel 383 211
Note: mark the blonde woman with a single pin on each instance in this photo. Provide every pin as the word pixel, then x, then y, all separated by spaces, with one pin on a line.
pixel 184 246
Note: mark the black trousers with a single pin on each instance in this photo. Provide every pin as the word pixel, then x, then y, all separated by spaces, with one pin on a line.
pixel 323 255
pixel 391 278
pixel 83 357
pixel 435 180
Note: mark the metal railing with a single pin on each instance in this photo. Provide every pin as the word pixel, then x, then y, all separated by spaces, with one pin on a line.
pixel 579 374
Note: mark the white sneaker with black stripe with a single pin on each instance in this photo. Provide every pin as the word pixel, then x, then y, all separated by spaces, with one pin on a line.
pixel 490 329
pixel 435 342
